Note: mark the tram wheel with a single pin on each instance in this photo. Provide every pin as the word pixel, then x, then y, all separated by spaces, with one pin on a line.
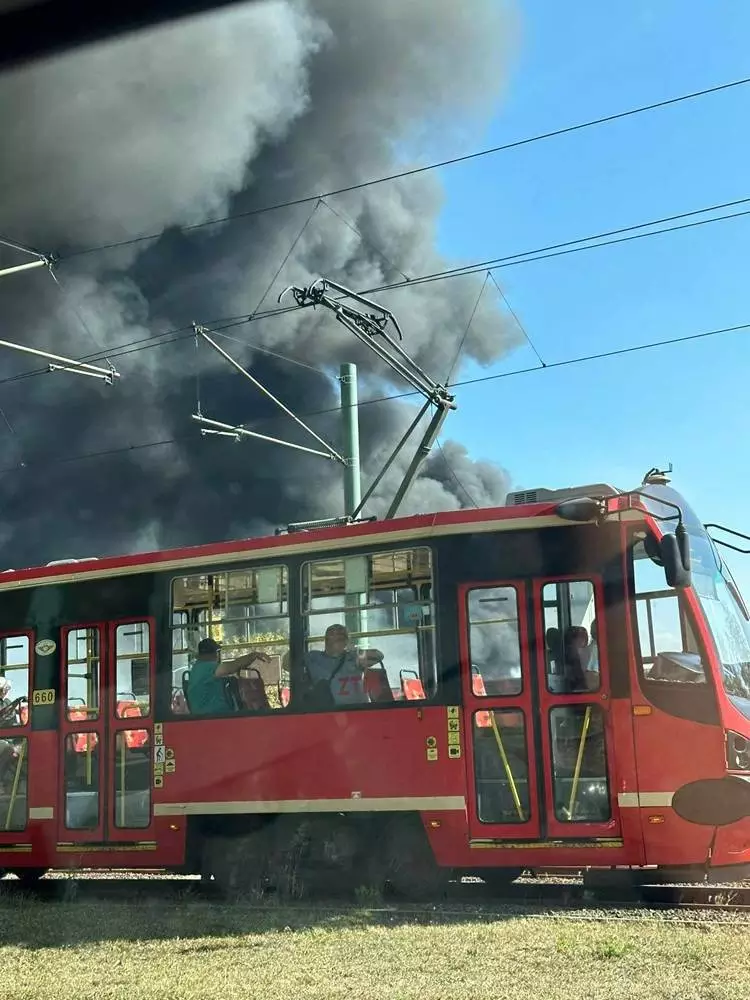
pixel 498 879
pixel 411 871
pixel 236 864
pixel 28 877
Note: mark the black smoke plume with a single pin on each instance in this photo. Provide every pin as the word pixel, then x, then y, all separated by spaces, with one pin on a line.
pixel 224 114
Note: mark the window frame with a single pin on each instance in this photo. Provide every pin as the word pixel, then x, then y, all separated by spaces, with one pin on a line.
pixel 694 702
pixel 287 567
pixel 531 806
pixel 101 627
pixel 426 676
pixel 30 635
pixel 517 588
pixel 596 583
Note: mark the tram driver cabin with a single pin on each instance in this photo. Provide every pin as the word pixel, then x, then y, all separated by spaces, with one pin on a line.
pixel 543 682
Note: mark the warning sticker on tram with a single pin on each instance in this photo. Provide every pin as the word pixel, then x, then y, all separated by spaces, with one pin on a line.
pixel 43 696
pixel 454 732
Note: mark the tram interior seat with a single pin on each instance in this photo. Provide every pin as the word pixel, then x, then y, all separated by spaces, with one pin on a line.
pixel 411 685
pixel 249 691
pixel 377 685
pixel 185 688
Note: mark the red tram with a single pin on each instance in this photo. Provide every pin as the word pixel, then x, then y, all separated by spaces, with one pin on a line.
pixel 560 682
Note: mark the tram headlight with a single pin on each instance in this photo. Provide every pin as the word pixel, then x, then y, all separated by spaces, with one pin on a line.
pixel 737 751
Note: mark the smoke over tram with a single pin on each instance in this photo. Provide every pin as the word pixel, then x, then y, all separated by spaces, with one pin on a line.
pixel 219 116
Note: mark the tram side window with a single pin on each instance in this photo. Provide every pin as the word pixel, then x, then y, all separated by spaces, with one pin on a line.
pixel 83 666
pixel 579 764
pixel 369 626
pixel 570 637
pixel 14 680
pixel 668 645
pixel 81 780
pixel 501 766
pixel 132 642
pixel 494 641
pixel 245 612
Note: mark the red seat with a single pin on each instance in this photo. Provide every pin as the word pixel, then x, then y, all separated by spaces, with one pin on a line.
pixel 413 689
pixel 179 703
pixel 133 737
pixel 252 691
pixel 482 720
pixel 377 686
pixel 82 742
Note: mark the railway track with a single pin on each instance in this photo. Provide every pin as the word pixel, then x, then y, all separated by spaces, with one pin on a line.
pixel 460 899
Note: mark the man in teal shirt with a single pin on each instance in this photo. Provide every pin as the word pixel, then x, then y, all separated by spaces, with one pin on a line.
pixel 207 693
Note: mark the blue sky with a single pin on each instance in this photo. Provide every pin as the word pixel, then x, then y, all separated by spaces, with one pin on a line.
pixel 611 420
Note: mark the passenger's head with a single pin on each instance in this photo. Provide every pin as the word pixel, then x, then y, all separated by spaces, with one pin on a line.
pixel 593 630
pixel 577 637
pixel 208 649
pixel 337 639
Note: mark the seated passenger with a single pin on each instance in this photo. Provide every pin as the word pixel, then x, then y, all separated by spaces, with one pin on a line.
pixel 339 669
pixel 207 693
pixel 575 646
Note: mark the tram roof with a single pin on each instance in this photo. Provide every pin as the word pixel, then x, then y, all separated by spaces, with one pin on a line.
pixel 408 529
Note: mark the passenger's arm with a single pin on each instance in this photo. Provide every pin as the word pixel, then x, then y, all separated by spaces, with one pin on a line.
pixel 228 667
pixel 369 657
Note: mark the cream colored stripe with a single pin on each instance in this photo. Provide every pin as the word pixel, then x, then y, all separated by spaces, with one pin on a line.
pixel 627 800
pixel 644 800
pixel 451 803
pixel 41 812
pixel 302 547
pixel 656 798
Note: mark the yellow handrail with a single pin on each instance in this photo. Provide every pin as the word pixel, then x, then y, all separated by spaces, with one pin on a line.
pixel 579 760
pixel 506 765
pixel 14 789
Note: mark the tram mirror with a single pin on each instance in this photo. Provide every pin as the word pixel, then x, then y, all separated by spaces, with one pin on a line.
pixel 713 801
pixel 653 549
pixel 677 574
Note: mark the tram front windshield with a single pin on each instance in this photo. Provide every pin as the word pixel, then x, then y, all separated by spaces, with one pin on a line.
pixel 719 598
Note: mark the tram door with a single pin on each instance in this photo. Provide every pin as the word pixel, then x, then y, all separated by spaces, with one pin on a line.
pixel 106 732
pixel 536 713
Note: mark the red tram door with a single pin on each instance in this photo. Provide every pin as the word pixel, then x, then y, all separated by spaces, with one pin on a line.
pixel 106 733
pixel 540 753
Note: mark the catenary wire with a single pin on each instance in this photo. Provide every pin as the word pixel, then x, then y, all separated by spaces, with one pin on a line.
pixel 233 322
pixel 413 171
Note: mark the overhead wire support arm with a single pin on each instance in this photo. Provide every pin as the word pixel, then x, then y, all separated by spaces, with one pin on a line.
pixel 60 364
pixel 57 362
pixel 16 268
pixel 229 430
pixel 370 327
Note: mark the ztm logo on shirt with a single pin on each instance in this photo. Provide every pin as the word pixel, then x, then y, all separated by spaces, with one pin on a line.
pixel 350 687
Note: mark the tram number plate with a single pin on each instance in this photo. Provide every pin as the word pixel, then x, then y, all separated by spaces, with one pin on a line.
pixel 43 696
